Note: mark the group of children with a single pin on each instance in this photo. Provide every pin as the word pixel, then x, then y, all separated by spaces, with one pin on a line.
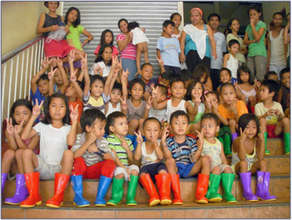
pixel 95 124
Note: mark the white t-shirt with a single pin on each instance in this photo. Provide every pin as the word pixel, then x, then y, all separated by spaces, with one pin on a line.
pixel 260 110
pixel 53 142
pixel 105 68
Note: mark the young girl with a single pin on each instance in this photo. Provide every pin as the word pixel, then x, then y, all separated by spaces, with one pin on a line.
pixel 139 39
pixel 103 62
pixel 107 38
pixel 152 168
pixel 176 19
pixel 248 157
pixel 201 73
pixel 54 160
pixel 230 61
pixel 20 113
pixel 115 100
pixel 58 79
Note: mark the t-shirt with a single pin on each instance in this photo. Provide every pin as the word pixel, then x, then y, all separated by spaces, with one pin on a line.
pixel 105 68
pixel 260 110
pixel 130 51
pixel 225 113
pixel 169 50
pixel 74 35
pixel 220 49
pixel 90 102
pixel 181 153
pixel 259 48
pixel 53 142
pixel 80 107
pixel 239 55
pixel 115 144
pixel 115 50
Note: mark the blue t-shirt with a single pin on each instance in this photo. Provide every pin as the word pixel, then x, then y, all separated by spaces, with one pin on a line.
pixel 169 50
pixel 37 95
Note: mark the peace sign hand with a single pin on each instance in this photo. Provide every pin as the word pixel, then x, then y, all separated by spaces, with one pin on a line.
pixel 51 74
pixel 243 136
pixel 160 61
pixel 149 103
pixel 46 63
pixel 9 126
pixel 36 111
pixel 73 76
pixel 139 137
pixel 18 128
pixel 74 113
pixel 125 75
pixel 165 133
pixel 123 103
pixel 200 141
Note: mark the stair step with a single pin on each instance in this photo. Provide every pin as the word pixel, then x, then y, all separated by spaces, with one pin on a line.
pixel 275 209
pixel 275 145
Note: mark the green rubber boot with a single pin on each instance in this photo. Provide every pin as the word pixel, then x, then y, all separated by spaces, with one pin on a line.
pixel 214 183
pixel 132 190
pixel 117 192
pixel 227 144
pixel 287 143
pixel 227 182
pixel 267 152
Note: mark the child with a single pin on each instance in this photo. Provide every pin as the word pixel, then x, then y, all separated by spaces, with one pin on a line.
pixel 213 148
pixel 176 19
pixel 271 116
pixel 168 49
pixel 201 73
pixel 20 113
pixel 54 160
pixel 248 157
pixel 284 93
pixel 230 61
pixel 139 39
pixel 224 76
pixel 115 100
pixel 107 38
pixel 58 79
pixel 211 102
pixel 146 76
pixel 117 127
pixel 92 158
pixel 103 62
pixel 152 168
pixel 183 157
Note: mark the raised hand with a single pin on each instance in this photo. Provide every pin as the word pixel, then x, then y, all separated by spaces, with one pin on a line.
pixel 124 76
pixel 71 55
pixel 59 62
pixel 124 144
pixel 98 70
pixel 51 74
pixel 18 128
pixel 123 103
pixel 36 110
pixel 200 142
pixel 54 27
pixel 74 113
pixel 139 137
pixel 149 103
pixel 46 63
pixel 243 135
pixel 154 92
pixel 165 133
pixel 160 61
pixel 9 126
pixel 73 75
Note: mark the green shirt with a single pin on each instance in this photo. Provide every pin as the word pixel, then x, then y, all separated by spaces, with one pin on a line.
pixel 259 48
pixel 74 35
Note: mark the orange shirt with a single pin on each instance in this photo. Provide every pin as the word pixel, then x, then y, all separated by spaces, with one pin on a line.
pixel 225 113
pixel 80 107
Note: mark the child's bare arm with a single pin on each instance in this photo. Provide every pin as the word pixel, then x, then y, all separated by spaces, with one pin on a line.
pixel 124 81
pixel 45 66
pixel 138 151
pixel 63 74
pixel 158 151
pixel 34 142
pixel 225 59
pixel 9 134
pixel 167 154
pixel 71 137
pixel 51 75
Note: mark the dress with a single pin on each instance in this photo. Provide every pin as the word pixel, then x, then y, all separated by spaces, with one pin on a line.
pixel 249 93
pixel 135 112
pixel 139 36
pixel 250 158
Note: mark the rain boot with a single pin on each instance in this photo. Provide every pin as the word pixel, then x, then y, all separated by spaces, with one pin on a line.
pixel 227 182
pixel 3 180
pixel 32 181
pixel 104 183
pixel 61 181
pixel 175 186
pixel 202 187
pixel 214 183
pixel 149 186
pixel 163 184
pixel 20 192
pixel 117 191
pixel 263 183
pixel 287 143
pixel 267 152
pixel 227 144
pixel 245 179
pixel 132 187
pixel 77 185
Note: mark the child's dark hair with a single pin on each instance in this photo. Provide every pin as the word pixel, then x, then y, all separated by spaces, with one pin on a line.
pixel 225 85
pixel 230 23
pixel 212 92
pixel 44 76
pixel 214 15
pixel 111 120
pixel 277 13
pixel 199 71
pixel 190 88
pixel 174 14
pixel 89 116
pixel 152 119
pixel 232 42
pixel 102 37
pixel 46 3
pixel 245 119
pixel 132 25
pixel 244 68
pixel 178 113
pixel 272 85
pixel 48 119
pixel 176 79
pixel 167 22
pixel 117 86
pixel 185 75
pixel 19 102
pixel 225 69
pixel 254 7
pixel 270 73
pixel 146 64
pixel 100 52
pixel 285 70
pixel 121 20
pixel 137 81
pixel 96 77
pixel 211 116
pixel 77 22
pixel 163 89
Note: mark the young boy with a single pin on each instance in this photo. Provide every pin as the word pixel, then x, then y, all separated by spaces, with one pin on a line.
pixel 168 49
pixel 183 157
pixel 146 76
pixel 115 99
pixel 92 158
pixel 58 79
pixel 117 127
pixel 270 113
pixel 284 93
pixel 230 61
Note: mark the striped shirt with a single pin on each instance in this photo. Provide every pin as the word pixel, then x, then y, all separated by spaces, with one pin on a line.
pixel 130 51
pixel 181 153
pixel 115 144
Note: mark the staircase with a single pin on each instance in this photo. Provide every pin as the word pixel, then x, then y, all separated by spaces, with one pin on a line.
pixel 278 165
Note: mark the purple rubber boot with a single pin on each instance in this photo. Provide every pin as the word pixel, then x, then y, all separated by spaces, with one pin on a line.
pixel 245 179
pixel 3 180
pixel 20 192
pixel 263 183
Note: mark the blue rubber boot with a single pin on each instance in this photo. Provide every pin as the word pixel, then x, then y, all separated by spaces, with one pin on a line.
pixel 104 183
pixel 77 184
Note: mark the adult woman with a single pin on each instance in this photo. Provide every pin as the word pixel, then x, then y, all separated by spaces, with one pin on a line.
pixel 127 49
pixel 197 41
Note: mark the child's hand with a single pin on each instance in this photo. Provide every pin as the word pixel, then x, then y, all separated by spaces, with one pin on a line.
pixel 242 135
pixel 252 21
pixel 9 126
pixel 18 128
pixel 51 74
pixel 149 103
pixel 54 27
pixel 154 91
pixel 59 62
pixel 92 148
pixel 124 76
pixel 98 70
pixel 139 137
pixel 74 113
pixel 261 136
pixel 73 76
pixel 71 56
pixel 36 111
pixel 160 61
pixel 200 140
pixel 84 62
pixel 123 103
pixel 165 133
pixel 91 137
pixel 46 63
pixel 197 99
pixel 124 144
pixel 182 58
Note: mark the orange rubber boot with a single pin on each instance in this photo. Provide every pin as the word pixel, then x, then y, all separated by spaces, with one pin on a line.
pixel 32 181
pixel 175 186
pixel 163 183
pixel 202 187
pixel 61 181
pixel 149 186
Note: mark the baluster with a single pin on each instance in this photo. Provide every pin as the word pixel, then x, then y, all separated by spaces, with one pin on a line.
pixel 21 76
pixel 3 86
pixel 16 79
pixel 9 88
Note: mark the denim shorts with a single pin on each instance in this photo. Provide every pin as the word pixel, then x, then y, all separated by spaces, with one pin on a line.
pixel 184 169
pixel 131 66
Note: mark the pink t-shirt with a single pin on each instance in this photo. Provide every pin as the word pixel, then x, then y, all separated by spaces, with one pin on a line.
pixel 130 51
pixel 115 50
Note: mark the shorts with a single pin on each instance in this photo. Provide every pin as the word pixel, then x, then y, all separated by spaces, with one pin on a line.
pixel 47 171
pixel 271 131
pixel 53 48
pixel 121 170
pixel 184 169
pixel 221 167
pixel 153 169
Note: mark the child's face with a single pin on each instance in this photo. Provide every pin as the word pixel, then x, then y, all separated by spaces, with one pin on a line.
pixel 234 49
pixel 224 76
pixel 176 20
pixel 178 89
pixel 58 78
pixel 277 20
pixel 254 14
pixel 21 113
pixel 123 27
pixel 286 79
pixel 70 91
pixel 265 93
pixel 160 95
pixel 72 16
pixel 108 38
pixel 228 95
pixel 137 91
pixel 152 131
pixel 147 73
pixel 52 6
pixel 213 99
pixel 57 109
pixel 44 87
pixel 235 25
pixel 169 30
pixel 244 76
pixel 197 90
pixel 209 127
pixel 98 128
pixel 97 88
pixel 214 22
pixel 120 126
pixel 107 54
pixel 115 96
pixel 251 129
pixel 179 125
